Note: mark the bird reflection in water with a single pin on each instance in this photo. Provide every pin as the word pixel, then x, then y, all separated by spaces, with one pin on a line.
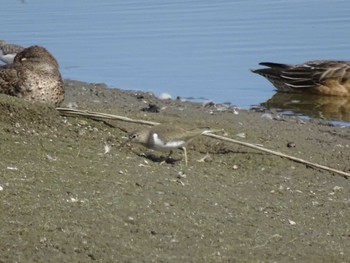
pixel 316 106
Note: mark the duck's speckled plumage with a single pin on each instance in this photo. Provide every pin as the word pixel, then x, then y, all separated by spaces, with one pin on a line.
pixel 33 76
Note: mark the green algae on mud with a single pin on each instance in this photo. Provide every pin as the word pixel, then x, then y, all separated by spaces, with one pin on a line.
pixel 70 193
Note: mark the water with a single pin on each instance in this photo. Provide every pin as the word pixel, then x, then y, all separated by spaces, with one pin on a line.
pixel 200 49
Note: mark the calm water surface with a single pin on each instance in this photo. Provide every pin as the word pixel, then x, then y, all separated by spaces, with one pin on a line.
pixel 201 49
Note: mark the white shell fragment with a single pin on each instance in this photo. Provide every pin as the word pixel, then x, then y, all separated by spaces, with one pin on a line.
pixel 165 96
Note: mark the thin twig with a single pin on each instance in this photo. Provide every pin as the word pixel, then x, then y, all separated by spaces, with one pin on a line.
pixel 90 114
pixel 295 159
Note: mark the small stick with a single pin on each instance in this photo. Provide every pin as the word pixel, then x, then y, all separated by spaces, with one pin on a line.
pixel 90 114
pixel 295 159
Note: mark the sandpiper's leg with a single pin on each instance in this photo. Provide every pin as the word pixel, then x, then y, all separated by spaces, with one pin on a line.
pixel 167 158
pixel 185 154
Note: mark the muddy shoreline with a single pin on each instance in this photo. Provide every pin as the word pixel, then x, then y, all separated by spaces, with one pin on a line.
pixel 70 193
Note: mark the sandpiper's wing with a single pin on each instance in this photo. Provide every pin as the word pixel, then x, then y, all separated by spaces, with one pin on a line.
pixel 175 133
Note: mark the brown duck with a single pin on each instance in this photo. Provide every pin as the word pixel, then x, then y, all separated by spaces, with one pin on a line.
pixel 324 77
pixel 33 76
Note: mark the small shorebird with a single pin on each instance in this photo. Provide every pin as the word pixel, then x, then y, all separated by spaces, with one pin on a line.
pixel 33 76
pixel 8 51
pixel 165 138
pixel 324 77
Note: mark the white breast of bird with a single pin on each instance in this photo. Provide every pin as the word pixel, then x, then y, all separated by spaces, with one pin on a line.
pixel 166 146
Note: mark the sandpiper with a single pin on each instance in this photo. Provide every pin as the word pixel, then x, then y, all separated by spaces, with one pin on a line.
pixel 165 138
pixel 324 77
pixel 8 51
pixel 33 76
